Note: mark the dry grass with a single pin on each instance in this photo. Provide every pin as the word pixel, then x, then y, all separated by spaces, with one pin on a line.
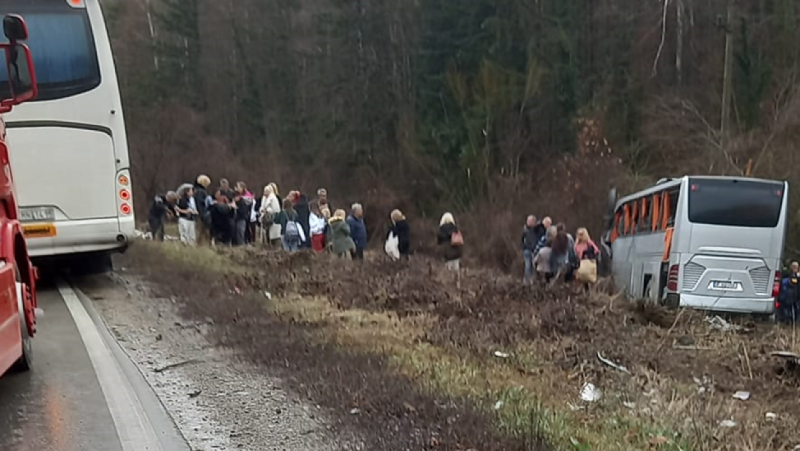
pixel 446 348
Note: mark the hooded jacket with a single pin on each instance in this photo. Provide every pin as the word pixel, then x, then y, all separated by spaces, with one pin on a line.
pixel 339 236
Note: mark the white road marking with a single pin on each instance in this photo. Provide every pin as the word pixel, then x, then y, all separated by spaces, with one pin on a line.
pixel 133 427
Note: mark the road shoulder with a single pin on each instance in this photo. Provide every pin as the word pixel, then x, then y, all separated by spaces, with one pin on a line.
pixel 216 401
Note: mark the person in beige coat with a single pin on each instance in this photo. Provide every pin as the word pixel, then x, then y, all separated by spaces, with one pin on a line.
pixel 270 208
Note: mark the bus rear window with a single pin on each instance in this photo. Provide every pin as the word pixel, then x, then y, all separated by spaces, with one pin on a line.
pixel 61 41
pixel 737 203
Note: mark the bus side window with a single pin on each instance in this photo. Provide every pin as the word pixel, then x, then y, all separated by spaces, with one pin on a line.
pixel 618 226
pixel 634 217
pixel 673 207
pixel 654 212
pixel 644 217
pixel 627 228
pixel 665 211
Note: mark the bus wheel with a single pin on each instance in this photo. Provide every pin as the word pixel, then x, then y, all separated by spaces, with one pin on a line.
pixel 91 264
pixel 25 362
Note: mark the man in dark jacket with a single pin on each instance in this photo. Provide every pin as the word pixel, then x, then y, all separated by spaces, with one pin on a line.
pixel 162 207
pixel 358 230
pixel 243 208
pixel 222 217
pixel 530 237
pixel 789 298
pixel 303 214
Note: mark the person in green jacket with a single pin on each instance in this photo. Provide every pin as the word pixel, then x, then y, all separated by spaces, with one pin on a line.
pixel 339 240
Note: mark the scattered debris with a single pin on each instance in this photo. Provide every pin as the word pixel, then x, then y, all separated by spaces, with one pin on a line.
pixel 629 405
pixel 742 395
pixel 502 355
pixel 792 357
pixel 612 364
pixel 727 424
pixel 355 411
pixel 771 416
pixel 703 385
pixel 268 295
pixel 195 394
pixel 590 393
pixel 722 325
pixel 498 405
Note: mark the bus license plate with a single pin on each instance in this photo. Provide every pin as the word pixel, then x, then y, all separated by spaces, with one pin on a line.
pixel 725 285
pixel 37 214
pixel 39 231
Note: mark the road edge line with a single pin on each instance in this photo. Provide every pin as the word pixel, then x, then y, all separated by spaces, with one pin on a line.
pixel 133 427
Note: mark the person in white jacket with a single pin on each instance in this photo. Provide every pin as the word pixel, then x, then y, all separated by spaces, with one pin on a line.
pixel 270 207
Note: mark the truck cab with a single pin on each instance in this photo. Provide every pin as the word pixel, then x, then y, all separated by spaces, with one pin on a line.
pixel 17 274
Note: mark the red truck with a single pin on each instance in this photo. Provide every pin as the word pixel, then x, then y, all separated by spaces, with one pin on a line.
pixel 17 274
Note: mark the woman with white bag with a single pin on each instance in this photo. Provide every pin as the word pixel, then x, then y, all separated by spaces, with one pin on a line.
pixel 587 253
pixel 398 240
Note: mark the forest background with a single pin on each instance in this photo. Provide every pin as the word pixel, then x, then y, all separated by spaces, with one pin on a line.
pixel 492 109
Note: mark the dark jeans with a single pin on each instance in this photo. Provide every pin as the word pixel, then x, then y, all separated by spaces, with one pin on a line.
pixel 157 228
pixel 241 233
pixel 358 254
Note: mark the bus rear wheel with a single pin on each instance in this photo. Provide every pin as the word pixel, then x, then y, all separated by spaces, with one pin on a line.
pixel 91 264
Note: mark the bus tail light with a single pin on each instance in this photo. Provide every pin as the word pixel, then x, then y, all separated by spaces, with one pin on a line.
pixel 125 208
pixel 672 279
pixel 124 194
pixel 776 286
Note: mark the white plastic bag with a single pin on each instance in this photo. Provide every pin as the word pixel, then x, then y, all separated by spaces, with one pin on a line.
pixel 392 247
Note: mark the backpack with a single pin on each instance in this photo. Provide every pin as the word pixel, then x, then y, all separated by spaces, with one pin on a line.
pixel 292 231
pixel 456 239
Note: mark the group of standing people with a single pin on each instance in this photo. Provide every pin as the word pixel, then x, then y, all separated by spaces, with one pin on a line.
pixel 234 216
pixel 550 252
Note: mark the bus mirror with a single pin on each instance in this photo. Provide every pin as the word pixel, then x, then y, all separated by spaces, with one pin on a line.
pixel 21 81
pixel 14 28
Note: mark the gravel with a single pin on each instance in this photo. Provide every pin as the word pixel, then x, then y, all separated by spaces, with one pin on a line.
pixel 217 401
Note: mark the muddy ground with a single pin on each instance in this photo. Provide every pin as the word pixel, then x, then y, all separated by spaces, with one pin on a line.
pixel 676 389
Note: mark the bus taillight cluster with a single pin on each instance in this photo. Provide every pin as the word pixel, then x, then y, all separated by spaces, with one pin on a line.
pixel 124 194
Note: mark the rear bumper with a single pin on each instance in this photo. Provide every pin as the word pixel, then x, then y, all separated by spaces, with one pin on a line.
pixel 762 306
pixel 91 235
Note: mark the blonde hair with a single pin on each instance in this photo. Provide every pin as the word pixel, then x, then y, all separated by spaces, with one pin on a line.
pixel 274 187
pixel 397 215
pixel 582 235
pixel 203 180
pixel 267 190
pixel 447 218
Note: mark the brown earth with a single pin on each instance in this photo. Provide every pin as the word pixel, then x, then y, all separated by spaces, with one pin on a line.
pixel 387 408
pixel 565 327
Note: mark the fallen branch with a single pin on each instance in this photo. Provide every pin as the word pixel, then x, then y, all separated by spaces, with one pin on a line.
pixel 176 365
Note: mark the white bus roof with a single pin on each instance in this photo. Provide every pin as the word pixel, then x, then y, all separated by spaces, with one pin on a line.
pixel 667 183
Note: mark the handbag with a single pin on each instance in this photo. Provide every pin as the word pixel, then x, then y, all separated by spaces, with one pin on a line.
pixel 392 246
pixel 587 272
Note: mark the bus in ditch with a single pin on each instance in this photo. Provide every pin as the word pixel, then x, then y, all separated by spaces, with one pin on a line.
pixel 69 147
pixel 707 242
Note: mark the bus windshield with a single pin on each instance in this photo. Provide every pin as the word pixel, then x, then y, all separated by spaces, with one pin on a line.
pixel 61 41
pixel 737 203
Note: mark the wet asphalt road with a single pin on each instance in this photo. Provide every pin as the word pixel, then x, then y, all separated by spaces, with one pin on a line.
pixel 60 405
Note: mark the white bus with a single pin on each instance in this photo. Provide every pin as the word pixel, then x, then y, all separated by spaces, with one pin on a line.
pixel 69 147
pixel 710 243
